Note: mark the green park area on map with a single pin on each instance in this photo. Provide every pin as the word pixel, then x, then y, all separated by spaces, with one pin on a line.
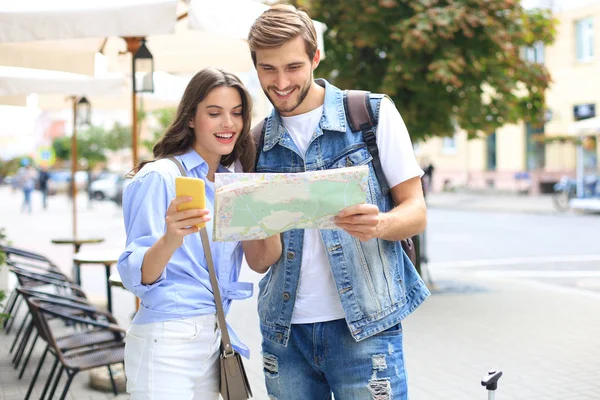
pixel 324 198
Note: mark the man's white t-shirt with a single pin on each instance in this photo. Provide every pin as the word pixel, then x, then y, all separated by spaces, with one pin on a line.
pixel 317 299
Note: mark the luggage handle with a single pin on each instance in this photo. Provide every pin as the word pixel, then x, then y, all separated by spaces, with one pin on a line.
pixel 490 381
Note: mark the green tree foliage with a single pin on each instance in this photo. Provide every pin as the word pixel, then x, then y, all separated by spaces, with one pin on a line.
pixel 11 166
pixel 119 137
pixel 93 142
pixel 443 62
pixel 4 242
pixel 164 117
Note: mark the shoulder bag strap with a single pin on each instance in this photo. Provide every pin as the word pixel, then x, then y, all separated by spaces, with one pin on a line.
pixel 225 341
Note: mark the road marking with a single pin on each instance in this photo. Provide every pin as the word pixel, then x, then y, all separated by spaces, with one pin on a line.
pixel 551 285
pixel 515 261
pixel 540 274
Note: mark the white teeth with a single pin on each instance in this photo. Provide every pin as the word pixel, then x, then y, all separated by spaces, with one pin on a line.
pixel 283 94
pixel 224 135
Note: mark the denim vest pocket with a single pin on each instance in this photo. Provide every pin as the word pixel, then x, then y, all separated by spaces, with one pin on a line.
pixel 395 330
pixel 354 156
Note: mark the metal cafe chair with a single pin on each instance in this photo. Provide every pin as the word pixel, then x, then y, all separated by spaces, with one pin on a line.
pixel 73 360
pixel 81 338
pixel 31 280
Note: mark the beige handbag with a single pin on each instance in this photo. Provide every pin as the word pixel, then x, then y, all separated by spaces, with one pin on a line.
pixel 234 381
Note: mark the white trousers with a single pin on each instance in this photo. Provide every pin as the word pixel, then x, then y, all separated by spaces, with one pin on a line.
pixel 173 360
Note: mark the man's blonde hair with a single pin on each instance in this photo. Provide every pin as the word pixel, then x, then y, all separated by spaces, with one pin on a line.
pixel 279 24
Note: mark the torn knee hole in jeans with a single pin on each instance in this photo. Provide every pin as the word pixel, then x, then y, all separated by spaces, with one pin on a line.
pixel 379 362
pixel 270 365
pixel 380 389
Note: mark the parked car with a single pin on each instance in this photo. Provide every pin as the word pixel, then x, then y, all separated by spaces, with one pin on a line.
pixel 59 181
pixel 123 181
pixel 105 187
pixel 6 180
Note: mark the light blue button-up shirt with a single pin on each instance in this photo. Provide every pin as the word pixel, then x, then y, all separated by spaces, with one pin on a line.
pixel 183 290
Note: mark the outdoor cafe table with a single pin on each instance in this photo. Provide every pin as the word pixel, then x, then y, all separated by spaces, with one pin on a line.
pixel 77 243
pixel 98 257
pixel 115 280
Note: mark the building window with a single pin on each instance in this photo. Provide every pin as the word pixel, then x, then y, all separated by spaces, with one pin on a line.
pixel 449 144
pixel 584 34
pixel 535 147
pixel 535 53
pixel 584 111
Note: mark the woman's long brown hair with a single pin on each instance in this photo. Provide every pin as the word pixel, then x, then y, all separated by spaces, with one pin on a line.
pixel 179 136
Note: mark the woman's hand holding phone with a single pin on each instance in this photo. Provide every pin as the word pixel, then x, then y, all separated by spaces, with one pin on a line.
pixel 187 212
pixel 182 223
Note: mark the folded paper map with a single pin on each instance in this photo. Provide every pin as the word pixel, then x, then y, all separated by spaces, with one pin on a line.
pixel 256 206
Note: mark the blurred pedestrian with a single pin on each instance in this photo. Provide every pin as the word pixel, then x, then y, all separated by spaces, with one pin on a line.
pixel 428 177
pixel 26 177
pixel 90 179
pixel 43 177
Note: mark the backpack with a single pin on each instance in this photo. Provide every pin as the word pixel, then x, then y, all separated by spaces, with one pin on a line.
pixel 357 104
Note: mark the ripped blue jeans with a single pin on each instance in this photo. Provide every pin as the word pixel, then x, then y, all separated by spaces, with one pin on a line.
pixel 322 359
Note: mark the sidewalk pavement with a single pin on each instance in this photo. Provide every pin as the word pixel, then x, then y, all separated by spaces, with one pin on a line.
pixel 547 343
pixel 545 339
pixel 492 201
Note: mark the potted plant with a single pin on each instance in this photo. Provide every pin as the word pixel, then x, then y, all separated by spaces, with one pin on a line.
pixel 2 262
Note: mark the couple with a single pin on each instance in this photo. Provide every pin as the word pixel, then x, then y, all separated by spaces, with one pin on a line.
pixel 332 301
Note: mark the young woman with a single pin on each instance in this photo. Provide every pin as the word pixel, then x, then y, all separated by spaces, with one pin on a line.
pixel 172 346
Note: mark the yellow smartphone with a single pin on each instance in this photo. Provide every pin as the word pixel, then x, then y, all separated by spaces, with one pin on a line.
pixel 194 188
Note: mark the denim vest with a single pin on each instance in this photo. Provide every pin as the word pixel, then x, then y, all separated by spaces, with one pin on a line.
pixel 377 284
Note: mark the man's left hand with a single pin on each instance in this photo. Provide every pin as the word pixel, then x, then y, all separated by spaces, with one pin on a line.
pixel 361 221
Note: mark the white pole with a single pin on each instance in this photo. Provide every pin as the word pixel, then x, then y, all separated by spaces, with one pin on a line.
pixel 580 168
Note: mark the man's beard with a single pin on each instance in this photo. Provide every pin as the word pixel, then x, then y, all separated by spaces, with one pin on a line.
pixel 303 93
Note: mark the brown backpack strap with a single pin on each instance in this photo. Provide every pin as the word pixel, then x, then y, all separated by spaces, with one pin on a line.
pixel 358 109
pixel 259 139
pixel 358 105
pixel 359 116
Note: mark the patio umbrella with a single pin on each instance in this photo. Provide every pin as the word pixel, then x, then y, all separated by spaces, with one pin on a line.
pixel 23 81
pixel 182 35
pixel 34 33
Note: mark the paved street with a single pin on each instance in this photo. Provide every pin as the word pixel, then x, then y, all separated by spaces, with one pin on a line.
pixel 513 289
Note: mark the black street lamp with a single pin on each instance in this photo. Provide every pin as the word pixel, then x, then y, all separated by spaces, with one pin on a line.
pixel 82 115
pixel 84 112
pixel 143 62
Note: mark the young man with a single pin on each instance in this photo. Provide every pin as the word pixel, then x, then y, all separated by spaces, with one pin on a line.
pixel 331 307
